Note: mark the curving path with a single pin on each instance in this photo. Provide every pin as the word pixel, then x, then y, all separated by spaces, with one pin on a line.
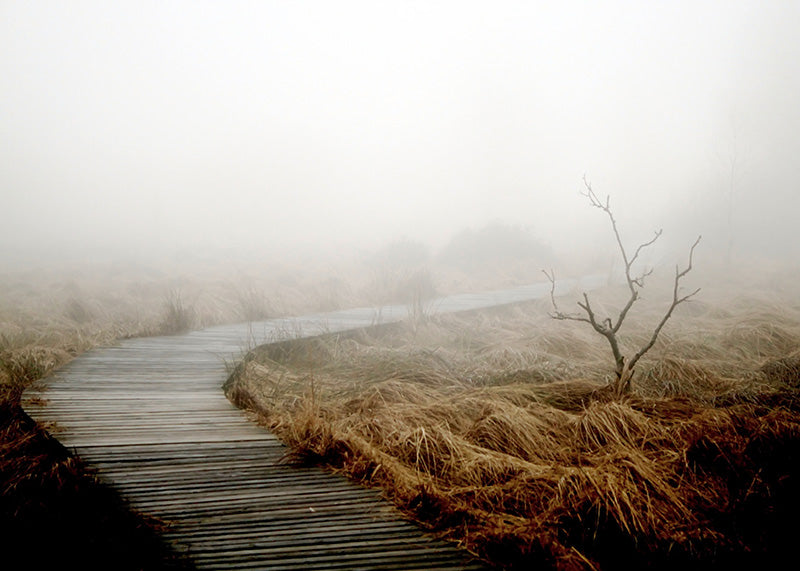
pixel 150 416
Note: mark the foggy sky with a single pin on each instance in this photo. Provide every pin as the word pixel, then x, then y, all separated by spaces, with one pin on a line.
pixel 136 127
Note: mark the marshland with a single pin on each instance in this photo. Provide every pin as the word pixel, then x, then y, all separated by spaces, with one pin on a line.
pixel 494 428
pixel 173 166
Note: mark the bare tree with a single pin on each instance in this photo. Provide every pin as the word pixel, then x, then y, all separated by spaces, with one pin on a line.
pixel 609 327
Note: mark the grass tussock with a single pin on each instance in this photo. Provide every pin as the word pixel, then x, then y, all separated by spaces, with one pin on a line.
pixel 497 431
pixel 179 316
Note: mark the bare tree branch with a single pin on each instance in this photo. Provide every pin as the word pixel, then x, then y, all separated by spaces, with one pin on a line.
pixel 676 301
pixel 607 327
pixel 557 313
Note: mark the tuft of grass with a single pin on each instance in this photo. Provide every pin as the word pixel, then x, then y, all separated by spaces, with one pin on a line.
pixel 253 304
pixel 24 365
pixel 784 371
pixel 178 316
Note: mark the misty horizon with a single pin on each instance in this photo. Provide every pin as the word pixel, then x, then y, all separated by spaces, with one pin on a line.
pixel 144 130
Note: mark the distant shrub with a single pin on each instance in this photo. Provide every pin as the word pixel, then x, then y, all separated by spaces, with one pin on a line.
pixel 493 245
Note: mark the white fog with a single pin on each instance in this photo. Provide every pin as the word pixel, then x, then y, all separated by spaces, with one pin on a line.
pixel 131 129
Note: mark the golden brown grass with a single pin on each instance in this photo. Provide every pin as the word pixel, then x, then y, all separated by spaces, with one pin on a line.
pixel 497 431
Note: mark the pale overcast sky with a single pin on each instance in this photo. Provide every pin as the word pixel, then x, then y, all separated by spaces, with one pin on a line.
pixel 137 125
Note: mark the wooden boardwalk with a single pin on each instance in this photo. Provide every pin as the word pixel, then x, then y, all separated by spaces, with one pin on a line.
pixel 150 416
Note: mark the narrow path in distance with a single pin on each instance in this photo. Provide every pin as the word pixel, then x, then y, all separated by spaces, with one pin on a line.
pixel 150 416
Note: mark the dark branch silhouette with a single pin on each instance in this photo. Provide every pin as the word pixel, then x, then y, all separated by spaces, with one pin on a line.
pixel 609 327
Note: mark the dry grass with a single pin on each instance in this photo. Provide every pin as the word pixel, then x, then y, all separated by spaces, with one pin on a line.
pixel 497 431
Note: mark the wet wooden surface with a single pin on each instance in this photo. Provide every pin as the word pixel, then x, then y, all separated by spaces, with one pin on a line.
pixel 150 416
